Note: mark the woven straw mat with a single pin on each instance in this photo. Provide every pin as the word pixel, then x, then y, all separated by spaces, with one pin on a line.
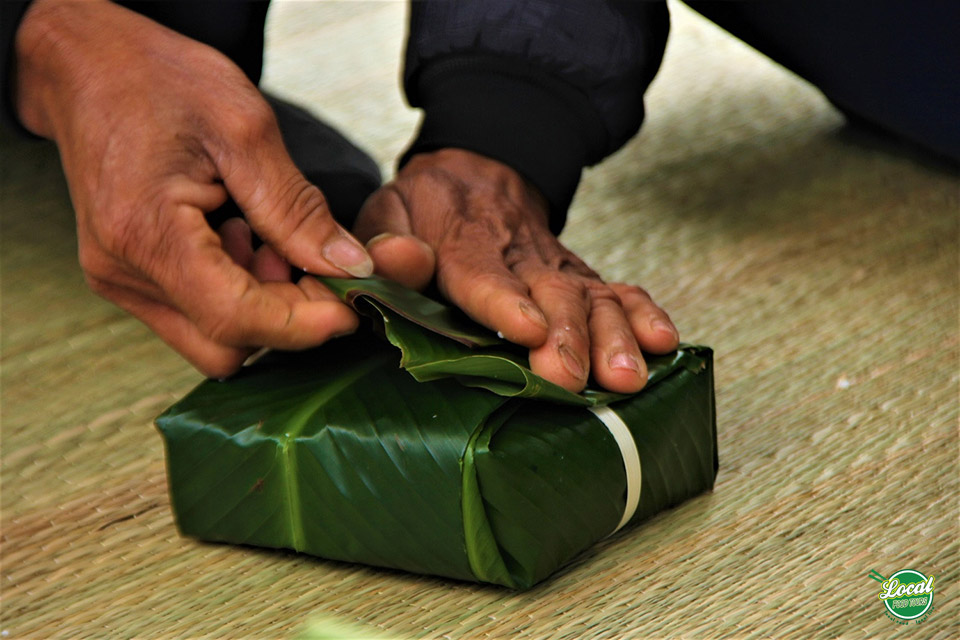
pixel 821 263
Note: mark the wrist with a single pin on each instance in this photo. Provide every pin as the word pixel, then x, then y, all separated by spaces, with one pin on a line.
pixel 519 114
pixel 48 49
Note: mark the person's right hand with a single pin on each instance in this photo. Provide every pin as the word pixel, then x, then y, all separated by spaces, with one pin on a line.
pixel 479 228
pixel 155 129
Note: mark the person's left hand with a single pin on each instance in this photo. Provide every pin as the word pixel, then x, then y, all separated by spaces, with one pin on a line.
pixel 495 257
pixel 155 130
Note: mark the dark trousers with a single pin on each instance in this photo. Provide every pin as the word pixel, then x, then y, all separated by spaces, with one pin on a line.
pixel 889 63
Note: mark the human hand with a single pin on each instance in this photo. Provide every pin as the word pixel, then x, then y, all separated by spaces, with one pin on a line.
pixel 497 259
pixel 154 130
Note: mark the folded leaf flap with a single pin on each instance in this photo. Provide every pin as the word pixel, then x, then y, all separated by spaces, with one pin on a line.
pixel 418 308
pixel 542 483
pixel 427 357
pixel 414 323
pixel 483 551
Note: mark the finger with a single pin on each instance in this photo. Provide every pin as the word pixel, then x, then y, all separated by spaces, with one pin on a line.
pixel 286 210
pixel 306 290
pixel 297 323
pixel 309 289
pixel 565 357
pixel 207 196
pixel 651 325
pixel 237 241
pixel 210 358
pixel 383 212
pixel 312 288
pixel 614 354
pixel 267 266
pixel 478 282
pixel 404 259
pixel 384 224
pixel 264 263
pixel 227 303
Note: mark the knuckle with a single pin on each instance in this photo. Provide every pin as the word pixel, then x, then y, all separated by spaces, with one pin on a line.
pixel 439 181
pixel 444 191
pixel 249 123
pixel 572 263
pixel 220 66
pixel 560 284
pixel 303 202
pixel 489 286
pixel 486 228
pixel 602 295
pixel 219 325
pixel 222 322
pixel 630 291
pixel 167 197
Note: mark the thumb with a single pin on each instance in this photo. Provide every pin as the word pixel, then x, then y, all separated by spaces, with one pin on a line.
pixel 384 223
pixel 281 205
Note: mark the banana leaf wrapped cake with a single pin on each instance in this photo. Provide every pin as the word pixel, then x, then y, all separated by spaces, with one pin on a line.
pixel 435 451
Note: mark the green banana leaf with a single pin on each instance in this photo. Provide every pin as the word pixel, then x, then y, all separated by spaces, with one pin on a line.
pixel 473 354
pixel 472 467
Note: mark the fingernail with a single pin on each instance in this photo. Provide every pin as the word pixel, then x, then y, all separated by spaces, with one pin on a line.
pixel 660 325
pixel 624 361
pixel 572 363
pixel 379 238
pixel 348 255
pixel 533 313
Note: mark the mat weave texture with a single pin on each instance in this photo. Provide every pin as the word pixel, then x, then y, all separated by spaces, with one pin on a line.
pixel 819 262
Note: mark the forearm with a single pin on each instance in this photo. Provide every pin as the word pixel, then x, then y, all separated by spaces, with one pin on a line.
pixel 48 56
pixel 52 42
pixel 233 28
pixel 66 62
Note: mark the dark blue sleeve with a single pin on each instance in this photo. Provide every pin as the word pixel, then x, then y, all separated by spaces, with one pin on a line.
pixel 545 86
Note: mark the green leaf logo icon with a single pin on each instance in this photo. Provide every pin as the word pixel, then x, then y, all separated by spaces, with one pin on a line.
pixel 907 594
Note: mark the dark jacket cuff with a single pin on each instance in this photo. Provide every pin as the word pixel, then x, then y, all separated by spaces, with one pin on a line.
pixel 11 13
pixel 544 129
